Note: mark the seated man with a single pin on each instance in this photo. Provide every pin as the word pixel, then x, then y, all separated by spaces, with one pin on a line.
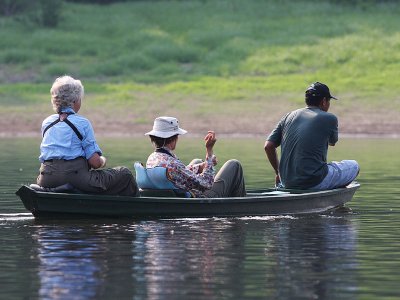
pixel 304 136
pixel 69 153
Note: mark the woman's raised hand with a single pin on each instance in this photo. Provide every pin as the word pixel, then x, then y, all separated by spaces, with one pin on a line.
pixel 210 142
pixel 210 139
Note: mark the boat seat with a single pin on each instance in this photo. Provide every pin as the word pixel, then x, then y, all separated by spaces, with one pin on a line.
pixel 154 182
pixel 161 193
pixel 65 188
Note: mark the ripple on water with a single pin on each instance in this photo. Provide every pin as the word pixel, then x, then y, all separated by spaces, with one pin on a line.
pixel 16 217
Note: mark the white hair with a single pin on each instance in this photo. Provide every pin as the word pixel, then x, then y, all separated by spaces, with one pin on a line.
pixel 65 91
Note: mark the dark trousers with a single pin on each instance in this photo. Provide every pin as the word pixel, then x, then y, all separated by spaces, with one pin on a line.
pixel 115 181
pixel 229 181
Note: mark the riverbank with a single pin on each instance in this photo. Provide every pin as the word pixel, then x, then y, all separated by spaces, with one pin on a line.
pixel 231 66
pixel 124 122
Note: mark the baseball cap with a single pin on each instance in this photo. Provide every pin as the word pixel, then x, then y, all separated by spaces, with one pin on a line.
pixel 319 89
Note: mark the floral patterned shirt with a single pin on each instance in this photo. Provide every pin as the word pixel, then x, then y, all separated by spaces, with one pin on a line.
pixel 184 177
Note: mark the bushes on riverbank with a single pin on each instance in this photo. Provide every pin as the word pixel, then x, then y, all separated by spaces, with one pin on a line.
pixel 244 46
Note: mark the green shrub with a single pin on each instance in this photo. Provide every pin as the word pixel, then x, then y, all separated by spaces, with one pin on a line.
pixel 109 68
pixel 46 13
pixel 15 57
pixel 13 7
pixel 166 51
pixel 50 12
pixel 135 61
pixel 57 69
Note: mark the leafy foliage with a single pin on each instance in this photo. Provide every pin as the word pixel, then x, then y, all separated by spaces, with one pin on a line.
pixel 223 49
pixel 46 13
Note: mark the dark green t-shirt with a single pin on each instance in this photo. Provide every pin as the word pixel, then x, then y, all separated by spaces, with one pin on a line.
pixel 304 135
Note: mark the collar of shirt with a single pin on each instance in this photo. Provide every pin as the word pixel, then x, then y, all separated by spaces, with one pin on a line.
pixel 165 151
pixel 68 110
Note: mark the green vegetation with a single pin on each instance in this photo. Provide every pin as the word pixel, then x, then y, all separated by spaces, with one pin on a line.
pixel 225 50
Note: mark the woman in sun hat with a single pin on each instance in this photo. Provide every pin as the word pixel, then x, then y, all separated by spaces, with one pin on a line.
pixel 197 178
pixel 69 153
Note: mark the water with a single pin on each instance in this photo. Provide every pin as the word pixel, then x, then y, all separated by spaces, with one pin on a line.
pixel 344 255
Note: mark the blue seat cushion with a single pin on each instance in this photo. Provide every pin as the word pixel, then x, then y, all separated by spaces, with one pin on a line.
pixel 155 179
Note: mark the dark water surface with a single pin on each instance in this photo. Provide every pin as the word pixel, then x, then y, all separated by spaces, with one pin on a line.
pixel 342 255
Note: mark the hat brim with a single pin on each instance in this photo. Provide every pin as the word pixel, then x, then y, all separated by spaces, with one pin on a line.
pixel 333 97
pixel 166 134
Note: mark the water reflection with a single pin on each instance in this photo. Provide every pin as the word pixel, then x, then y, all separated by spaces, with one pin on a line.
pixel 285 257
pixel 324 257
pixel 77 261
pixel 309 258
pixel 189 257
pixel 312 258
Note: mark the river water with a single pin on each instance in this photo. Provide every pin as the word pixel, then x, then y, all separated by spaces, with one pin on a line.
pixel 342 255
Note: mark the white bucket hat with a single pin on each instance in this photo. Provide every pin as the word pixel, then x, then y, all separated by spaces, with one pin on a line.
pixel 165 127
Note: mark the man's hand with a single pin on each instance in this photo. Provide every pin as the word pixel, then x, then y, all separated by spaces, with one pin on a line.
pixel 103 161
pixel 96 161
pixel 277 180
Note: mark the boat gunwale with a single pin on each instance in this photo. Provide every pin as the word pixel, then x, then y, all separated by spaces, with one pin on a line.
pixel 47 205
pixel 250 198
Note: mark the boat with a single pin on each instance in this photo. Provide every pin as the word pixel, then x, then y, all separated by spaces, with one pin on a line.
pixel 165 204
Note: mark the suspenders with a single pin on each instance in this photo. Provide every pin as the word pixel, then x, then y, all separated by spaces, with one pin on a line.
pixel 69 123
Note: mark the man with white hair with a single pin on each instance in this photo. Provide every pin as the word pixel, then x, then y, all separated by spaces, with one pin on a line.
pixel 69 153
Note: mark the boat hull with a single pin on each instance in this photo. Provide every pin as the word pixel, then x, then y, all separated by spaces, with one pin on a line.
pixel 45 204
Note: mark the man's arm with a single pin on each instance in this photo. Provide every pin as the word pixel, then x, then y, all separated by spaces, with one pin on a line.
pixel 270 150
pixel 334 136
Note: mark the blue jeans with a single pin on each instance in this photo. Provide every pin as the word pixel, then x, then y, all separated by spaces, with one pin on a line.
pixel 339 175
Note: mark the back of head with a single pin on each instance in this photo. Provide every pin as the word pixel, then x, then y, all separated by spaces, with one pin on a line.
pixel 316 92
pixel 161 142
pixel 65 91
